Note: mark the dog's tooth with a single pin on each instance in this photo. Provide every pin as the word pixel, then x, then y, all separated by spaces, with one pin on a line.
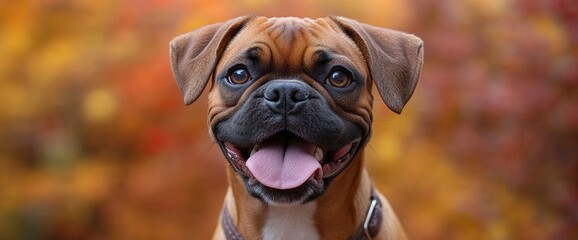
pixel 232 155
pixel 254 150
pixel 318 154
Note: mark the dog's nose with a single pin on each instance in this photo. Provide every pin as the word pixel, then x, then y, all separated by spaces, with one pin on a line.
pixel 284 96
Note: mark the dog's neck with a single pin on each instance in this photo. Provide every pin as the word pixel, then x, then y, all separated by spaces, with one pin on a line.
pixel 348 195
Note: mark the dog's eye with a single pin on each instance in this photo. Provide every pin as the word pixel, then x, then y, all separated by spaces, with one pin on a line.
pixel 239 76
pixel 338 79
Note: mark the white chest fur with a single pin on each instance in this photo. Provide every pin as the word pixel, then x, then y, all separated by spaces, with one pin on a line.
pixel 290 222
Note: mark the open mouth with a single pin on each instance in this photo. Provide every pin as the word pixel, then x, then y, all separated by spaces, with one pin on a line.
pixel 285 161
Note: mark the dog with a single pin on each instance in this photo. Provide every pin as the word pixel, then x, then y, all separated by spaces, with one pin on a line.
pixel 290 106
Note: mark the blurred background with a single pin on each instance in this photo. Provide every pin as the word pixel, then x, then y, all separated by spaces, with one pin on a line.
pixel 95 142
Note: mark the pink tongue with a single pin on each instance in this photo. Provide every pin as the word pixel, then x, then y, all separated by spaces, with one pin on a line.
pixel 283 163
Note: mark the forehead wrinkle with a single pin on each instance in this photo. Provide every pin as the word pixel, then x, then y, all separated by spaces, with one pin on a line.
pixel 289 37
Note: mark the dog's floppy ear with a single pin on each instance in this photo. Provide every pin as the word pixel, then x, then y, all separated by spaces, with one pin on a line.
pixel 394 59
pixel 195 54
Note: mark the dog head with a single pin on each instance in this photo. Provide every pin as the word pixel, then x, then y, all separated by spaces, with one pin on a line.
pixel 290 102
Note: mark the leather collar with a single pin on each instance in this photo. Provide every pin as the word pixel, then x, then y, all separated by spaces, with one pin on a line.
pixel 368 229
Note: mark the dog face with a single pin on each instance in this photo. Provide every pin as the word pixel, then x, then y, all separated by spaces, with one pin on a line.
pixel 291 100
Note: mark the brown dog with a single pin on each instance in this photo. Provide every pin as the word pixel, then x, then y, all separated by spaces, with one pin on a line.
pixel 290 107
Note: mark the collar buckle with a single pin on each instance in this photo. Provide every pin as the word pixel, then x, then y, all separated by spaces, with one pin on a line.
pixel 368 218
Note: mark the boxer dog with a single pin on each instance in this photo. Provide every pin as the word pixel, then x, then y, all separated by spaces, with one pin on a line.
pixel 290 107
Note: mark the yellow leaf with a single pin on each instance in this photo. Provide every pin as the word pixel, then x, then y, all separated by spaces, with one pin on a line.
pixel 100 105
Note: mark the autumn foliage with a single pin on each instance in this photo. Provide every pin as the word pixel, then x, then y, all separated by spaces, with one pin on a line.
pixel 95 142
